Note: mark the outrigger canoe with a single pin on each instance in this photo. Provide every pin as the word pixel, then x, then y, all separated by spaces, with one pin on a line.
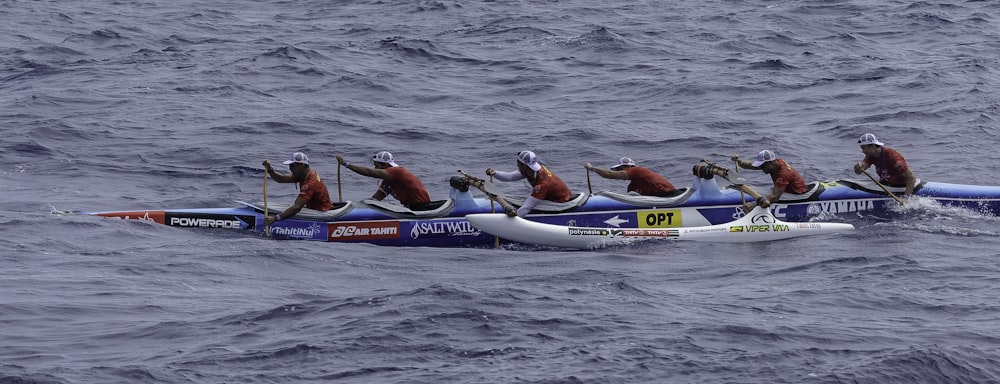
pixel 758 225
pixel 444 224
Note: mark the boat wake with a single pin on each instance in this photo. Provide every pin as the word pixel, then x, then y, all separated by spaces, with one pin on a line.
pixel 929 216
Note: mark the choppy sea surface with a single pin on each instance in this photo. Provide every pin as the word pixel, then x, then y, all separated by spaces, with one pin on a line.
pixel 117 105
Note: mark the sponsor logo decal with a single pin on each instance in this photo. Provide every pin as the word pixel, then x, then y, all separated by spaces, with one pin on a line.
pixel 312 231
pixel 352 231
pixel 762 218
pixel 759 228
pixel 204 220
pixel 576 231
pixel 647 233
pixel 840 206
pixel 443 228
pixel 617 232
pixel 660 218
pixel 777 210
pixel 700 230
pixel 153 216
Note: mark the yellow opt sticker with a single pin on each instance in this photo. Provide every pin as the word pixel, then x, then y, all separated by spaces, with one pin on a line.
pixel 670 218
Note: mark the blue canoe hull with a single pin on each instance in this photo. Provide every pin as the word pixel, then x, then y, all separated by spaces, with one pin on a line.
pixel 707 204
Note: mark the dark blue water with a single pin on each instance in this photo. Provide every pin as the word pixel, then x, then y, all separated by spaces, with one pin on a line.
pixel 132 104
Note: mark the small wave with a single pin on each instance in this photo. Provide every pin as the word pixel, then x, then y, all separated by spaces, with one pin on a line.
pixel 294 351
pixel 28 378
pixel 56 51
pixel 31 149
pixel 513 33
pixel 493 352
pixel 771 64
pixel 526 90
pixel 220 90
pixel 424 49
pixel 186 40
pixel 97 36
pixel 362 82
pixel 294 53
pixel 283 312
pixel 941 229
pixel 34 71
pixel 507 106
pixel 746 334
pixel 872 75
pixel 600 39
pixel 922 364
pixel 849 260
pixel 431 6
pixel 924 18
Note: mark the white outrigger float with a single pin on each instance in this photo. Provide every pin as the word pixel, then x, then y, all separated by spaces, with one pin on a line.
pixel 758 225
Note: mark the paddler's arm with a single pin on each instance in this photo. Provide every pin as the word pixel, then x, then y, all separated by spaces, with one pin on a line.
pixel 862 166
pixel 743 163
pixel 607 173
pixel 287 213
pixel 370 172
pixel 361 170
pixel 758 199
pixel 380 192
pixel 911 182
pixel 530 203
pixel 279 177
pixel 504 176
pixel 776 193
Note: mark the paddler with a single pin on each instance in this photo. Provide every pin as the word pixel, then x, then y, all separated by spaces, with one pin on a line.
pixel 643 181
pixel 312 191
pixel 545 185
pixel 397 181
pixel 785 178
pixel 890 166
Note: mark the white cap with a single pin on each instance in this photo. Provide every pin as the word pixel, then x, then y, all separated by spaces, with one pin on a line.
pixel 763 157
pixel 298 157
pixel 384 157
pixel 869 138
pixel 622 163
pixel 528 158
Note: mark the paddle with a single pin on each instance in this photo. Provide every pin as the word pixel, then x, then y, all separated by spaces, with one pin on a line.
pixel 724 173
pixel 493 209
pixel 743 199
pixel 589 189
pixel 894 197
pixel 489 189
pixel 340 194
pixel 266 227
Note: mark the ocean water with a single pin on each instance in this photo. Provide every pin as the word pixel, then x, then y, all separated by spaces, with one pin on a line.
pixel 116 105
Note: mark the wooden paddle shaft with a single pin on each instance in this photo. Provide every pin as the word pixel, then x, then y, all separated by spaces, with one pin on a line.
pixel 894 197
pixel 340 194
pixel 481 185
pixel 266 227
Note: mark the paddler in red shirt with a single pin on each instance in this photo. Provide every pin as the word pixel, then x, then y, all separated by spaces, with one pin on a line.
pixel 643 180
pixel 889 164
pixel 545 185
pixel 396 181
pixel 785 178
pixel 312 191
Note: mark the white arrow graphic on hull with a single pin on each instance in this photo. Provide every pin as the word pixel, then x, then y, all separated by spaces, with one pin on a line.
pixel 615 221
